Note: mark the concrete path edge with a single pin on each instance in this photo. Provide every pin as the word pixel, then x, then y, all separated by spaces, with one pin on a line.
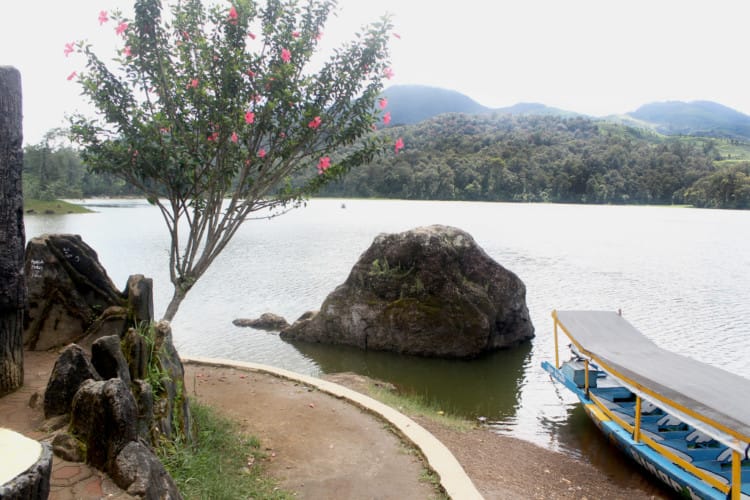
pixel 453 478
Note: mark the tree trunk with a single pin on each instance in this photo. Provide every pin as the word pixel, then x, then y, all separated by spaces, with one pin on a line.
pixel 12 235
pixel 174 304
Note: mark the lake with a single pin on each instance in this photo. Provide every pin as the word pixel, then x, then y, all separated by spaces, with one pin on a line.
pixel 681 276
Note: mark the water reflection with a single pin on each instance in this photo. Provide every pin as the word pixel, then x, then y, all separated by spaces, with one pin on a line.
pixel 488 386
pixel 579 437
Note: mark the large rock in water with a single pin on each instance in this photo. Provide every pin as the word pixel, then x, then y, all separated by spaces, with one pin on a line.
pixel 430 291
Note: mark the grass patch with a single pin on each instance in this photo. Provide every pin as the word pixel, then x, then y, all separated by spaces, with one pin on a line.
pixel 416 405
pixel 216 466
pixel 55 207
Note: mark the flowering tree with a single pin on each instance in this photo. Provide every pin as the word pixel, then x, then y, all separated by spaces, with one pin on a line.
pixel 212 111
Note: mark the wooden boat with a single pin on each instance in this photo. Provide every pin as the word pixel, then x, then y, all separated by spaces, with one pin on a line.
pixel 686 422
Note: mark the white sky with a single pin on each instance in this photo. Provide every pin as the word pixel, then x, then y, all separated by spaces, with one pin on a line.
pixel 596 57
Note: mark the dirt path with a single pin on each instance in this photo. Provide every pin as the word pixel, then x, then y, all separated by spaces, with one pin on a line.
pixel 321 447
pixel 318 446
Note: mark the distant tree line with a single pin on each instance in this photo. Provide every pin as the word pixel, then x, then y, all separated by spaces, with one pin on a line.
pixel 52 169
pixel 490 158
pixel 548 159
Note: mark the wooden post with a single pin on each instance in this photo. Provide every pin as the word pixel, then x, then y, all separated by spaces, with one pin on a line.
pixel 12 234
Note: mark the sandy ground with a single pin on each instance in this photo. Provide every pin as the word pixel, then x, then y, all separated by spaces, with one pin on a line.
pixel 321 447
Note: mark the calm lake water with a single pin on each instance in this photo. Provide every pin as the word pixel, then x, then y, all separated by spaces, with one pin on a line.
pixel 682 276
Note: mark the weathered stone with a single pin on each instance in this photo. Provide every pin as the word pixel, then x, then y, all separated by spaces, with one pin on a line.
pixel 267 321
pixel 171 410
pixel 139 291
pixel 138 471
pixel 104 419
pixel 68 289
pixel 107 358
pixel 113 321
pixel 71 370
pixel 431 291
pixel 137 352
pixel 68 447
pixel 144 399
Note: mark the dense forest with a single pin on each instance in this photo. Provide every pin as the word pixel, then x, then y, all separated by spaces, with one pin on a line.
pixel 549 159
pixel 491 158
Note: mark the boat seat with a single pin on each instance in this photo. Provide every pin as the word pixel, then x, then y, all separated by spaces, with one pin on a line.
pixel 697 454
pixel 699 437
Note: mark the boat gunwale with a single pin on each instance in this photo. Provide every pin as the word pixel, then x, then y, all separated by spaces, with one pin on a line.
pixel 676 407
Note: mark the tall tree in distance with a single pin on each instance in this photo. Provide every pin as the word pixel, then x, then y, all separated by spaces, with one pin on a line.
pixel 12 234
pixel 210 112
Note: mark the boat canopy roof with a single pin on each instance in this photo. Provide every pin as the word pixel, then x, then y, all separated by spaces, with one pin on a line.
pixel 709 394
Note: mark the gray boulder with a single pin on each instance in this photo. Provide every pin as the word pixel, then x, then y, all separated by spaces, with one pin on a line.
pixel 104 418
pixel 139 472
pixel 71 369
pixel 67 290
pixel 430 291
pixel 267 321
pixel 107 358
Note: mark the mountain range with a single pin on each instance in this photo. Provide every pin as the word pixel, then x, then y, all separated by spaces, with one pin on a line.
pixel 410 104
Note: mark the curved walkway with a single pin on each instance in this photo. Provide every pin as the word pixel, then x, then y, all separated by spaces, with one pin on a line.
pixel 453 478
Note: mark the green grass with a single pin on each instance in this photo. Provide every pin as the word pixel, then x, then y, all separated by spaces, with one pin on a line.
pixel 216 466
pixel 416 405
pixel 52 207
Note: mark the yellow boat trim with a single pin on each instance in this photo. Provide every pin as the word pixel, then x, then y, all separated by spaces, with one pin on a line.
pixel 646 390
pixel 598 414
pixel 663 450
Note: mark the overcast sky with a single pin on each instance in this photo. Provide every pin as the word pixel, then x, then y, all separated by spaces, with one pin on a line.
pixel 591 56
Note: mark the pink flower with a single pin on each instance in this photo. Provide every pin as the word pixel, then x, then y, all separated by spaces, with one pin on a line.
pixel 121 28
pixel 324 164
pixel 397 35
pixel 68 49
pixel 127 51
pixel 295 34
pixel 383 102
pixel 262 153
pixel 251 35
pixel 387 118
pixel 233 15
pixel 250 73
pixel 234 137
pixel 399 145
pixel 286 56
pixel 103 17
pixel 388 73
pixel 193 83
pixel 319 35
pixel 249 117
pixel 315 123
pixel 72 75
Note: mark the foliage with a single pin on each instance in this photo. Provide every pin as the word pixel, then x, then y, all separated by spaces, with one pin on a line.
pixel 728 187
pixel 533 158
pixel 57 207
pixel 223 463
pixel 212 110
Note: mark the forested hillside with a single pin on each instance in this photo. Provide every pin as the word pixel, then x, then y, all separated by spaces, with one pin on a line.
pixel 547 158
pixel 496 157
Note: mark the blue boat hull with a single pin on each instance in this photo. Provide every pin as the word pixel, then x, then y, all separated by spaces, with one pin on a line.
pixel 663 469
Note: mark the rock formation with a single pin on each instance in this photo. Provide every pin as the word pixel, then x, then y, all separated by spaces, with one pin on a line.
pixel 68 291
pixel 431 291
pixel 72 299
pixel 267 321
pixel 130 393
